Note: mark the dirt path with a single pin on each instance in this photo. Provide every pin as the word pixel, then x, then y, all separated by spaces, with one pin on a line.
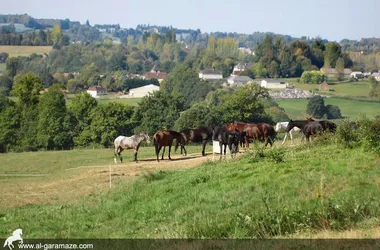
pixel 75 183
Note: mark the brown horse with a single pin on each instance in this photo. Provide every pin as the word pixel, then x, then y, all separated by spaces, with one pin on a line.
pixel 261 131
pixel 239 126
pixel 166 138
pixel 312 129
pixel 201 134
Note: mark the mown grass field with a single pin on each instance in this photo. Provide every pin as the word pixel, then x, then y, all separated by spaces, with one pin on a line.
pixel 352 89
pixel 296 109
pixel 2 67
pixel 15 51
pixel 280 193
pixel 129 101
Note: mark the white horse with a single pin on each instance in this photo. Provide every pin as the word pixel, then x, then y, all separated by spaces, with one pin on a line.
pixel 14 237
pixel 281 127
pixel 133 142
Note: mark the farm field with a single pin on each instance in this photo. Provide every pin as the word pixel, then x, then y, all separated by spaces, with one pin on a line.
pixel 286 192
pixel 296 109
pixel 352 89
pixel 2 68
pixel 129 101
pixel 15 51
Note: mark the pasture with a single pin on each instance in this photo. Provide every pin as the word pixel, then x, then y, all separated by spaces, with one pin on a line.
pixel 352 89
pixel 15 51
pixel 296 109
pixel 2 67
pixel 279 192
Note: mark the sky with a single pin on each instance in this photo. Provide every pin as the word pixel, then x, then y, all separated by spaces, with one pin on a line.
pixel 329 19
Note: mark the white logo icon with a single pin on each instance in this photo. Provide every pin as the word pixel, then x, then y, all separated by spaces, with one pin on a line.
pixel 14 237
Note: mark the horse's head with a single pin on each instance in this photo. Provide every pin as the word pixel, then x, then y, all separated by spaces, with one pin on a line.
pixel 147 138
pixel 17 232
pixel 290 126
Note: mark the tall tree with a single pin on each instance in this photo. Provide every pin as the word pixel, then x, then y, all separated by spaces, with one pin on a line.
pixel 54 123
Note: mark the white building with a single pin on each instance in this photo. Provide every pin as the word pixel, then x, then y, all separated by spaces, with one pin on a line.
pixel 96 91
pixel 357 75
pixel 236 81
pixel 143 91
pixel 211 74
pixel 376 76
pixel 274 84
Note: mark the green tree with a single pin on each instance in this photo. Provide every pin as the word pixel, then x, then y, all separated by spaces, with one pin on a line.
pixel 27 88
pixel 200 114
pixel 12 65
pixel 107 122
pixel 158 111
pixel 9 124
pixel 5 84
pixel 316 107
pixel 81 107
pixel 340 68
pixel 332 53
pixel 333 112
pixel 54 123
pixel 244 105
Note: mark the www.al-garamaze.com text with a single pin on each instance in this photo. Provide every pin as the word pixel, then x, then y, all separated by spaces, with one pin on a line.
pixel 55 246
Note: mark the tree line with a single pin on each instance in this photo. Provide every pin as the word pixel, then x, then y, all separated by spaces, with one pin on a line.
pixel 42 120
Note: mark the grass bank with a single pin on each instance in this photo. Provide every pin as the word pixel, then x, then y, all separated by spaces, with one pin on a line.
pixel 274 193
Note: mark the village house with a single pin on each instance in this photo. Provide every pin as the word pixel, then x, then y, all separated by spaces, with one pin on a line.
pixel 211 74
pixel 143 91
pixel 376 76
pixel 237 81
pixel 96 91
pixel 246 50
pixel 242 67
pixel 357 75
pixel 155 73
pixel 332 72
pixel 324 86
pixel 274 84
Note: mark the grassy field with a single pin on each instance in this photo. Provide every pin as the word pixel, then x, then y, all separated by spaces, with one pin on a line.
pixel 129 101
pixel 15 51
pixel 353 89
pixel 2 67
pixel 281 192
pixel 296 109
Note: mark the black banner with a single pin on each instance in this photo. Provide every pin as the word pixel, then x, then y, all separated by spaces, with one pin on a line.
pixel 184 244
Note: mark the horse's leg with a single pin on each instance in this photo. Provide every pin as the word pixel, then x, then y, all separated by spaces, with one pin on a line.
pixel 170 147
pixel 291 137
pixel 221 154
pixel 225 150
pixel 158 148
pixel 163 152
pixel 119 153
pixel 286 134
pixel 135 153
pixel 115 153
pixel 204 146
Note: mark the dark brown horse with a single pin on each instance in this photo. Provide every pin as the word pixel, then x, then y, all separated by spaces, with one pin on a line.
pixel 226 138
pixel 312 129
pixel 201 134
pixel 262 132
pixel 239 126
pixel 326 125
pixel 166 138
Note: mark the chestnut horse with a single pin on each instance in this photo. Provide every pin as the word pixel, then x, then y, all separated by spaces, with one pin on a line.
pixel 239 126
pixel 166 138
pixel 201 134
pixel 261 131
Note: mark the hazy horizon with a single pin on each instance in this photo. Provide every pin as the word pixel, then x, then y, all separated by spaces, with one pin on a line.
pixel 332 20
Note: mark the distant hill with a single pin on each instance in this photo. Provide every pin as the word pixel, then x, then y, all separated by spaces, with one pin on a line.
pixel 32 23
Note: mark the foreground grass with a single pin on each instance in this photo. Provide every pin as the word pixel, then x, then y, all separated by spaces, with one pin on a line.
pixel 280 192
pixel 296 109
